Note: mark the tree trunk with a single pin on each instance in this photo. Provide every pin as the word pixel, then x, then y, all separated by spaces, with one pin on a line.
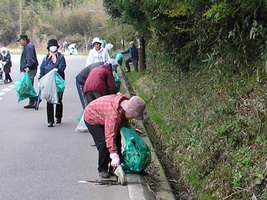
pixel 142 55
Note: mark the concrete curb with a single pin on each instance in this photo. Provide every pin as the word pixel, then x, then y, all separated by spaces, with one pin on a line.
pixel 139 191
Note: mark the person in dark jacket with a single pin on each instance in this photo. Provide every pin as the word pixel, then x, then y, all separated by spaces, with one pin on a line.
pixel 81 78
pixel 133 57
pixel 6 63
pixel 53 60
pixel 99 82
pixel 28 63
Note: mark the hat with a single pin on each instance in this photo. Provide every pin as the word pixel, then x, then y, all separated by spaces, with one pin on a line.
pixel 3 49
pixel 132 42
pixel 23 36
pixel 52 42
pixel 96 40
pixel 114 64
pixel 135 107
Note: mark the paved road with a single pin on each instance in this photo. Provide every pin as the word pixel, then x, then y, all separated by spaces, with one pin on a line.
pixel 41 163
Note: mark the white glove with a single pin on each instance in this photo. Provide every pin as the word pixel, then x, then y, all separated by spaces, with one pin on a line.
pixel 115 162
pixel 3 63
pixel 55 69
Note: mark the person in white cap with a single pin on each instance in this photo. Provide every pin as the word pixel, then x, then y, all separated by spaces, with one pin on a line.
pixel 104 117
pixel 97 54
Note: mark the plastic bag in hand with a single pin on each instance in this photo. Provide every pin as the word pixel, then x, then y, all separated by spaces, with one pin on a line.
pixel 49 88
pixel 119 58
pixel 24 88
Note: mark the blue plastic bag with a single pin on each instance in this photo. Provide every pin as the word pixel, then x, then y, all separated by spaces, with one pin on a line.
pixel 24 88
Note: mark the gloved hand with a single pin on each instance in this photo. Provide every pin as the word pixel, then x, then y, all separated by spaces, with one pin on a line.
pixel 3 63
pixel 115 162
pixel 55 69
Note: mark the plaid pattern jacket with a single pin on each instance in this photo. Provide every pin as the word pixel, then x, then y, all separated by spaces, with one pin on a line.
pixel 107 111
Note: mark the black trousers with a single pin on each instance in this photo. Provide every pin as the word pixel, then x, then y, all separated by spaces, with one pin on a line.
pixel 7 77
pixel 50 110
pixel 135 64
pixel 98 133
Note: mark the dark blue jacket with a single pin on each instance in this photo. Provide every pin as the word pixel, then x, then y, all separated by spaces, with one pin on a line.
pixel 28 58
pixel 47 65
pixel 133 52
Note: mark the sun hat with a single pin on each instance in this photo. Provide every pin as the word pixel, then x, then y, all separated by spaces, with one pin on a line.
pixel 132 42
pixel 135 107
pixel 52 42
pixel 96 40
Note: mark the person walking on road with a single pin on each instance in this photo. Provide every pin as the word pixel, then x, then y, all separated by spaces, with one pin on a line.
pixel 99 82
pixel 6 63
pixel 97 54
pixel 53 60
pixel 104 117
pixel 133 57
pixel 28 63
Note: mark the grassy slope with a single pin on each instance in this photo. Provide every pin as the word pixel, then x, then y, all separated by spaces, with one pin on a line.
pixel 212 127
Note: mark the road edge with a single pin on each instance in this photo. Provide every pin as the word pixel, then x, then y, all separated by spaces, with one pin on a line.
pixel 164 191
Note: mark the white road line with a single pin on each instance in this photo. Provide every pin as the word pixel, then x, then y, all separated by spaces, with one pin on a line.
pixel 6 89
pixel 12 86
pixel 2 93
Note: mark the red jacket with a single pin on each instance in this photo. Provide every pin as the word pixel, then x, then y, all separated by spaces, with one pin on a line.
pixel 100 80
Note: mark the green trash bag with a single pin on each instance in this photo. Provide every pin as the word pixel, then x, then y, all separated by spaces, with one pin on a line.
pixel 117 80
pixel 119 58
pixel 24 88
pixel 136 155
pixel 60 83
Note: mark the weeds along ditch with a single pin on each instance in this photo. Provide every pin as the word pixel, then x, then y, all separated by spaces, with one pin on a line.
pixel 209 128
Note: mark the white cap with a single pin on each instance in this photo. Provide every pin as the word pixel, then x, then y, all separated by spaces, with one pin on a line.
pixel 96 39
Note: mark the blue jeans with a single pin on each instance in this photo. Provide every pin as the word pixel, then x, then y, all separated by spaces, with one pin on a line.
pixel 80 93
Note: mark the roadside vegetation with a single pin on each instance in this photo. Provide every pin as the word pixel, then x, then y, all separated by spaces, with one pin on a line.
pixel 205 88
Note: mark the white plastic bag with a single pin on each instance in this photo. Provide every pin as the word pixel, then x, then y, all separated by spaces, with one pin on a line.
pixel 81 127
pixel 49 88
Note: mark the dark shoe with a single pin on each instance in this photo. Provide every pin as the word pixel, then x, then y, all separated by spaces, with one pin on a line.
pixel 104 174
pixel 5 81
pixel 127 71
pixel 29 106
pixel 50 124
pixel 58 121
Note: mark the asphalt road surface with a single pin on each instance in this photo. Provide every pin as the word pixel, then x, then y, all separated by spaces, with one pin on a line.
pixel 42 163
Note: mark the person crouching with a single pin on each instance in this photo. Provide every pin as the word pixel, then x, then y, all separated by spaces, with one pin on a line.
pixel 104 117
